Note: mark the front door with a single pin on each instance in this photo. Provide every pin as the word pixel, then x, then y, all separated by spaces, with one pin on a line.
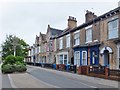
pixel 106 58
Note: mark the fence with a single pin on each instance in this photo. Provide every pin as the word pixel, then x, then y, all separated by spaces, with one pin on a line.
pixel 114 72
pixel 97 69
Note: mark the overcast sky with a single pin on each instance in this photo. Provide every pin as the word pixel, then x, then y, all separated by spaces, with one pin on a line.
pixel 26 18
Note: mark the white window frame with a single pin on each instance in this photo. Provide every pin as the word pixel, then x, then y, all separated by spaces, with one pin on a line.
pixel 63 59
pixel 113 29
pixel 89 36
pixel 93 57
pixel 61 43
pixel 85 57
pixel 77 59
pixel 67 40
pixel 39 48
pixel 78 42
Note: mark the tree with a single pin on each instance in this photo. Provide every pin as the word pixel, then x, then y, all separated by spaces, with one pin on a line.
pixel 14 46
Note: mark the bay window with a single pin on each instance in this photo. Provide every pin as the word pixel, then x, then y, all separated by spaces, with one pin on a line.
pixel 63 58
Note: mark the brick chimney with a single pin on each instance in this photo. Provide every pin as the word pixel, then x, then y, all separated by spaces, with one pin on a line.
pixel 72 22
pixel 89 16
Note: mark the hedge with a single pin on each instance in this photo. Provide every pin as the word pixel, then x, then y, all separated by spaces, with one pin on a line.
pixel 20 68
pixel 8 68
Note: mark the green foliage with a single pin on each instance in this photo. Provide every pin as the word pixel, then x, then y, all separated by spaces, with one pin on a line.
pixel 8 46
pixel 19 59
pixel 13 64
pixel 8 68
pixel 20 68
pixel 10 60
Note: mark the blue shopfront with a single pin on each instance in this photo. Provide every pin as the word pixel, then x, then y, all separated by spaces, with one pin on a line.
pixel 80 56
pixel 94 55
pixel 86 55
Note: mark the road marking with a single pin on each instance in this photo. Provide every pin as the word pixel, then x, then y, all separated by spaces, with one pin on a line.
pixel 11 82
pixel 43 81
pixel 88 85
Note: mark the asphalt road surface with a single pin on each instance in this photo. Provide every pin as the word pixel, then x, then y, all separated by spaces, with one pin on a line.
pixel 62 81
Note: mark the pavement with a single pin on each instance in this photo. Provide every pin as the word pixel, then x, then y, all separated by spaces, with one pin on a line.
pixel 25 80
pixel 37 77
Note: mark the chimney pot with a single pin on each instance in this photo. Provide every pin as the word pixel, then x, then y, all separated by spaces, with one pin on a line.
pixel 72 22
pixel 89 16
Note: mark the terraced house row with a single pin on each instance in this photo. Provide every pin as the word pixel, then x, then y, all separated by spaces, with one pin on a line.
pixel 93 43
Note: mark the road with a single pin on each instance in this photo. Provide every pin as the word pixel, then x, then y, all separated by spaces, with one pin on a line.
pixel 37 77
pixel 56 78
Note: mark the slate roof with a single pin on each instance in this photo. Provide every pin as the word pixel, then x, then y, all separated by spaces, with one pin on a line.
pixel 55 32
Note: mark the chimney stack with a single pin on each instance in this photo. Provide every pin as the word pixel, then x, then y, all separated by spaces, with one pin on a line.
pixel 72 22
pixel 89 16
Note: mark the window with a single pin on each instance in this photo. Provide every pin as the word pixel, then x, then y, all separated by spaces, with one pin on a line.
pixel 113 29
pixel 39 49
pixel 61 43
pixel 119 56
pixel 76 38
pixel 93 57
pixel 77 58
pixel 65 59
pixel 50 48
pixel 68 40
pixel 61 59
pixel 89 35
pixel 29 53
pixel 84 58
